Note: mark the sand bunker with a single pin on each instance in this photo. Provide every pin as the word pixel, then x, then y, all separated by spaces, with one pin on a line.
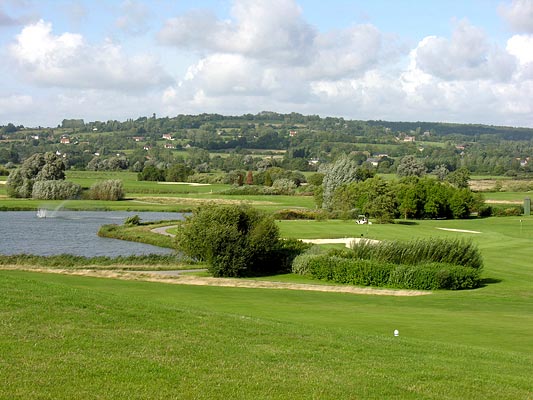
pixel 184 183
pixel 346 241
pixel 458 230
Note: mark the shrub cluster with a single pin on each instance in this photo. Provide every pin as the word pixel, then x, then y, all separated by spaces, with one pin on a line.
pixel 433 263
pixel 292 214
pixel 55 190
pixel 111 189
pixel 507 211
pixel 250 190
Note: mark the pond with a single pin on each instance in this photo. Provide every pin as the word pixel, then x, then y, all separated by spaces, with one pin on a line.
pixel 72 232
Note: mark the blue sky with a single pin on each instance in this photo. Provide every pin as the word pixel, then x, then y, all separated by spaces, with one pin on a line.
pixel 465 61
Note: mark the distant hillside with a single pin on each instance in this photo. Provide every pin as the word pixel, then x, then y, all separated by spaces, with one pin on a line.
pixel 444 129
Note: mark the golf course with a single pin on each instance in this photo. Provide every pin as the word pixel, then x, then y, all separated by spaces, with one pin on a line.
pixel 65 336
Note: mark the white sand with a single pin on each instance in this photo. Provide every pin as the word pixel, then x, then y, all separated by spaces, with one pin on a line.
pixel 346 241
pixel 184 183
pixel 458 230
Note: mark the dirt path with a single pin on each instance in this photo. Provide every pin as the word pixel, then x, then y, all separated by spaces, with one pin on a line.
pixel 224 282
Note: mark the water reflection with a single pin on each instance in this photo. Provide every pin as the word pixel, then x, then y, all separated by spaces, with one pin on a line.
pixel 72 232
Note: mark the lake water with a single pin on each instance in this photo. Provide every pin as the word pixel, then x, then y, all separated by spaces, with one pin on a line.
pixel 72 232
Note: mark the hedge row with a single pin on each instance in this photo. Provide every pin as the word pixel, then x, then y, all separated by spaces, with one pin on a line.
pixel 424 276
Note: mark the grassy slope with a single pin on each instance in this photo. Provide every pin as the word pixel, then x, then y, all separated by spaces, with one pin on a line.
pixel 66 337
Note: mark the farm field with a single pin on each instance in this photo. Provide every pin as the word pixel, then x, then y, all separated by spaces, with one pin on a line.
pixel 80 337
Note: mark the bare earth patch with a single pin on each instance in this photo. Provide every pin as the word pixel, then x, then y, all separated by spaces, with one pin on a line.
pixel 458 230
pixel 224 282
pixel 3 182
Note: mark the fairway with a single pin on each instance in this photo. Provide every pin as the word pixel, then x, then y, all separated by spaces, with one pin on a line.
pixel 67 337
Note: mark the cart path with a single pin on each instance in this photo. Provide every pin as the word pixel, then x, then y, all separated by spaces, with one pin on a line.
pixel 162 230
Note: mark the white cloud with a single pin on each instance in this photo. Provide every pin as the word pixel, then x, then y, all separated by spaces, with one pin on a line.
pixel 266 56
pixel 135 17
pixel 68 61
pixel 350 52
pixel 519 15
pixel 521 47
pixel 466 56
pixel 14 103
pixel 273 30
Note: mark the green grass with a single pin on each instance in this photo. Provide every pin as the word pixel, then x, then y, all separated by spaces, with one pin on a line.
pixel 65 337
pixel 143 196
pixel 139 233
pixel 507 196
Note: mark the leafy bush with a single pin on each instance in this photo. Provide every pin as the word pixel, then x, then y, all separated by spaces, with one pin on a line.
pixel 284 186
pixel 4 171
pixel 287 251
pixel 133 220
pixel 55 190
pixel 235 241
pixel 111 189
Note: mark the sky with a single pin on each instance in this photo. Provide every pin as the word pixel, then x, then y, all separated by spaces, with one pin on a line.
pixel 460 61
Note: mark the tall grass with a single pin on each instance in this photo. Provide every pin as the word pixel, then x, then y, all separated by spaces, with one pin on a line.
pixel 439 250
pixel 424 276
pixel 72 261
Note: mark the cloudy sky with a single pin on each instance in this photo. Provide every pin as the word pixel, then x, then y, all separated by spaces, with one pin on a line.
pixel 465 61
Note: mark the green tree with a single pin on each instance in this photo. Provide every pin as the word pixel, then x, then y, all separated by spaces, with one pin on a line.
pixel 441 172
pixel 38 167
pixel 178 173
pixel 459 178
pixel 343 170
pixel 234 240
pixel 268 179
pixel 151 173
pixel 410 166
pixel 461 203
pixel 409 199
